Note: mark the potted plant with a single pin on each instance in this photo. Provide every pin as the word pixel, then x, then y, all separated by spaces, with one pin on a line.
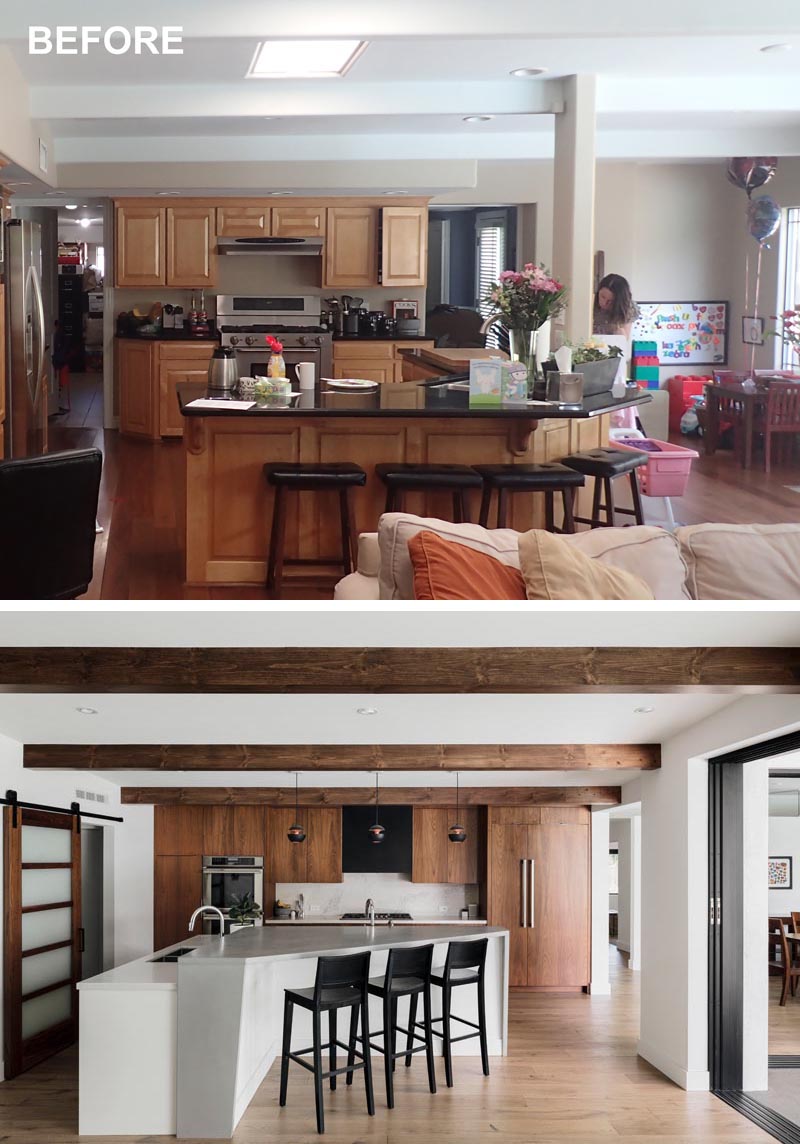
pixel 243 911
pixel 524 300
pixel 598 363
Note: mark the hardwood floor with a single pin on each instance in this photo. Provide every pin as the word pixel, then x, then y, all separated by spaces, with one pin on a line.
pixel 572 1074
pixel 139 556
pixel 784 1021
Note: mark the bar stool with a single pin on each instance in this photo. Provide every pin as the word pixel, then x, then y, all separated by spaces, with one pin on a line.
pixel 464 965
pixel 400 479
pixel 605 465
pixel 408 974
pixel 548 478
pixel 341 983
pixel 339 477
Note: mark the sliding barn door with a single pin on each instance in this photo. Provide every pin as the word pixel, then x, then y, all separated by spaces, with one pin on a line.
pixel 42 935
pixel 559 939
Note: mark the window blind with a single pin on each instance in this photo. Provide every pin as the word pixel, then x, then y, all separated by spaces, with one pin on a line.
pixel 491 259
pixel 791 277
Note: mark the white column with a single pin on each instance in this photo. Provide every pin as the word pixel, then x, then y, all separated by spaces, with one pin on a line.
pixel 635 961
pixel 600 827
pixel 573 201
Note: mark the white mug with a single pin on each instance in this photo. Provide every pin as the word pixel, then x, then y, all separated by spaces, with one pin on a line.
pixel 305 374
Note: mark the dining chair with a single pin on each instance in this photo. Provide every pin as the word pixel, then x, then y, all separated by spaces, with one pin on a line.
pixel 781 418
pixel 786 967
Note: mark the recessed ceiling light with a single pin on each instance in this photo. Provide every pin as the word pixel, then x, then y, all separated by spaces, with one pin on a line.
pixel 366 710
pixel 477 118
pixel 643 710
pixel 526 73
pixel 163 193
pixel 56 194
pixel 309 59
pixel 776 48
pixel 19 183
pixel 85 222
pixel 393 193
pixel 280 194
pixel 86 710
pixel 71 206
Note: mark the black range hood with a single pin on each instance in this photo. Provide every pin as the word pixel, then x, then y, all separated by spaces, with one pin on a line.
pixel 361 856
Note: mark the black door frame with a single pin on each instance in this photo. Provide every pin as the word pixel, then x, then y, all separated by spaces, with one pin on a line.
pixel 726 931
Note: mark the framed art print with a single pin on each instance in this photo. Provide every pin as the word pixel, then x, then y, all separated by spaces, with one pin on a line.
pixel 753 331
pixel 780 873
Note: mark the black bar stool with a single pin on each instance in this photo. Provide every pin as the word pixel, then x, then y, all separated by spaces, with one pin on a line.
pixel 339 477
pixel 457 479
pixel 341 983
pixel 464 965
pixel 408 974
pixel 548 477
pixel 605 465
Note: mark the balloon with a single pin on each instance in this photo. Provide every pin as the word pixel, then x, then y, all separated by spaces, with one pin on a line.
pixel 750 173
pixel 763 217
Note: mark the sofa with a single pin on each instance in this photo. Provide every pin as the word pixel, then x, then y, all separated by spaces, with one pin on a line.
pixel 696 562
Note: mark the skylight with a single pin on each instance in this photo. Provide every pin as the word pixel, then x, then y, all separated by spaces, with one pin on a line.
pixel 306 59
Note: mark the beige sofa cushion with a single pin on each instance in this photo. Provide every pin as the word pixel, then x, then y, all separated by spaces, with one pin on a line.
pixel 742 561
pixel 555 570
pixel 651 553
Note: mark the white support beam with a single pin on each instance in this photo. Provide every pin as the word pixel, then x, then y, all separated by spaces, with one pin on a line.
pixel 573 201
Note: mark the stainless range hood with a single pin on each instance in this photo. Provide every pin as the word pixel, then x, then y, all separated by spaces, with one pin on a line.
pixel 250 246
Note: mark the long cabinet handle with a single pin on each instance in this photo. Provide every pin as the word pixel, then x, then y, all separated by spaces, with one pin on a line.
pixel 523 894
pixel 531 893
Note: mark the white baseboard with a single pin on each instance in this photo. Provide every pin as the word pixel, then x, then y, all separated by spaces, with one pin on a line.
pixel 693 1081
pixel 600 988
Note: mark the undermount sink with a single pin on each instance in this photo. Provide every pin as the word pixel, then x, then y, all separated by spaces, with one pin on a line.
pixel 173 954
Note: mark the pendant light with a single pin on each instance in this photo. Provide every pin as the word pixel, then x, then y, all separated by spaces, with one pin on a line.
pixel 296 832
pixel 376 831
pixel 457 833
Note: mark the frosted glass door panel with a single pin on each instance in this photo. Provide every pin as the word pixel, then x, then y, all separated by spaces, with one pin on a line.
pixel 46 969
pixel 43 887
pixel 46 844
pixel 46 928
pixel 45 1011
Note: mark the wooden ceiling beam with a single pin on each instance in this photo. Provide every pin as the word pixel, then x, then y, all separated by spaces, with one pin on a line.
pixel 324 670
pixel 363 796
pixel 334 757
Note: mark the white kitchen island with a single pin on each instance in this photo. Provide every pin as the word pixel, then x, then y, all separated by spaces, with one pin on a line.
pixel 181 1047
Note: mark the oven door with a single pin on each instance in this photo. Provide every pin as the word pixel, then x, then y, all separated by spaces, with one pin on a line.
pixel 253 363
pixel 224 885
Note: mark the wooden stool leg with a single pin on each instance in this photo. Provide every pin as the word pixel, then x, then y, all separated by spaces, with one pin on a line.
pixel 287 1044
pixel 502 507
pixel 429 1039
pixel 317 1023
pixel 332 1045
pixel 609 491
pixel 596 502
pixel 387 1049
pixel 465 514
pixel 412 1017
pixel 367 1059
pixel 394 1033
pixel 391 500
pixel 637 498
pixel 347 532
pixel 351 1055
pixel 277 543
pixel 568 497
pixel 486 504
pixel 549 513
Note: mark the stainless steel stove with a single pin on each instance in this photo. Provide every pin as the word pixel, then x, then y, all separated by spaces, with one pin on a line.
pixel 379 917
pixel 245 321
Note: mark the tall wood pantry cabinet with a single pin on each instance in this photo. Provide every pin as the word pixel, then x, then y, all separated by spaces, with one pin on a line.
pixel 540 890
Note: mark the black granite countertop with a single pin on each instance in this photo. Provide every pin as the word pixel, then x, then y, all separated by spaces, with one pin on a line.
pixel 168 336
pixel 421 400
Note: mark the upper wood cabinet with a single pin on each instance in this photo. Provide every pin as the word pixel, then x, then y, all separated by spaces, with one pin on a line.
pixel 177 892
pixel 235 830
pixel 236 221
pixel 404 246
pixel 178 830
pixel 434 857
pixel 324 842
pixel 351 247
pixel 298 222
pixel 139 245
pixel 191 239
pixel 318 858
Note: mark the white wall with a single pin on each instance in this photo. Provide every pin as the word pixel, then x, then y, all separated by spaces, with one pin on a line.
pixel 19 134
pixel 784 838
pixel 600 897
pixel 674 990
pixel 390 892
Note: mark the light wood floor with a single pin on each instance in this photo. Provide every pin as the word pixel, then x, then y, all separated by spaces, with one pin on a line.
pixel 784 1021
pixel 572 1074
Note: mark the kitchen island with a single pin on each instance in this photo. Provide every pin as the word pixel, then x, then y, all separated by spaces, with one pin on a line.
pixel 180 1047
pixel 229 505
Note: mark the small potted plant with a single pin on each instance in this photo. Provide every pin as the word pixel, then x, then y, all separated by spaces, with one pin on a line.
pixel 243 912
pixel 598 363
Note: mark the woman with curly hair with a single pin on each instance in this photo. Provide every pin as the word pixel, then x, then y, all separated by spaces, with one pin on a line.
pixel 614 308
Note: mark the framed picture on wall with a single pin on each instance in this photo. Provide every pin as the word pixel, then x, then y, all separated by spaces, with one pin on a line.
pixel 780 873
pixel 753 331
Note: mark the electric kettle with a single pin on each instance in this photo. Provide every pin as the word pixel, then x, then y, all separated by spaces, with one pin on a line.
pixel 223 373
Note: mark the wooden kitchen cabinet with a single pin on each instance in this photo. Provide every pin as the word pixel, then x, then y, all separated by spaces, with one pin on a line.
pixel 324 842
pixel 135 365
pixel 318 858
pixel 434 857
pixel 237 221
pixel 351 247
pixel 191 239
pixel 404 246
pixel 298 222
pixel 177 892
pixel 234 830
pixel 370 359
pixel 139 245
pixel 178 362
pixel 178 830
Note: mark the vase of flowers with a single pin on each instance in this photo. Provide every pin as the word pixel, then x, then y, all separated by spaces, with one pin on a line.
pixel 524 300
pixel 789 333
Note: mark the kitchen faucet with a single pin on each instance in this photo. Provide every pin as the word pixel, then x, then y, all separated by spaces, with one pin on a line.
pixel 490 321
pixel 369 910
pixel 301 906
pixel 204 909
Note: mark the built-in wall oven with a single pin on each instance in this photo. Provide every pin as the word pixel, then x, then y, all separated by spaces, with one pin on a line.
pixel 226 878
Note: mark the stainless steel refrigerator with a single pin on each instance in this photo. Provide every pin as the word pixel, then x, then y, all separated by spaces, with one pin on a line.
pixel 26 340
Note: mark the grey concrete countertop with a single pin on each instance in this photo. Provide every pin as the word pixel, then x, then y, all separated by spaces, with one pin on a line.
pixel 323 920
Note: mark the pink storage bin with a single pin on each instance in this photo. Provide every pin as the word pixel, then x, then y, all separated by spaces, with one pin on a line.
pixel 666 473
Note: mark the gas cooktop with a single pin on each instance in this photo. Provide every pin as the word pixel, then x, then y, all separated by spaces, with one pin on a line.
pixel 379 917
pixel 260 328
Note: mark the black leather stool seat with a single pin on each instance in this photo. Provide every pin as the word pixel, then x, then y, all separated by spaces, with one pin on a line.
pixel 335 476
pixel 332 997
pixel 429 476
pixel 404 985
pixel 457 977
pixel 530 478
pixel 605 462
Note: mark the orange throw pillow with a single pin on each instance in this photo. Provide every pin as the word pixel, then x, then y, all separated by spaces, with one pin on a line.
pixel 445 570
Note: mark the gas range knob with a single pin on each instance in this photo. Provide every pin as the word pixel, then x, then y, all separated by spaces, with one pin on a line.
pixel 318 341
pixel 249 340
pixel 303 341
pixel 234 340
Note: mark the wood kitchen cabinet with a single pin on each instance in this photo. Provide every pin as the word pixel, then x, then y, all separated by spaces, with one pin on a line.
pixel 318 858
pixel 351 247
pixel 404 246
pixel 178 830
pixel 298 222
pixel 540 890
pixel 191 240
pixel 177 892
pixel 178 362
pixel 234 830
pixel 434 857
pixel 135 365
pixel 244 221
pixel 139 245
pixel 371 359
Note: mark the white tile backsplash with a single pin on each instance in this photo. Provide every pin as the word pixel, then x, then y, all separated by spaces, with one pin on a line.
pixel 389 892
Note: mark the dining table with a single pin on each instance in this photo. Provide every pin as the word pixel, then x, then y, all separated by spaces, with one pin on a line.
pixel 751 401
